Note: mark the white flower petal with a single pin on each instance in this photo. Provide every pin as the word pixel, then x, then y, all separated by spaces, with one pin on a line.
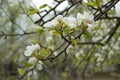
pixel 70 21
pixel 100 59
pixel 32 60
pixel 98 55
pixel 79 18
pixel 30 49
pixel 39 65
pixel 29 73
pixel 27 53
pixel 55 53
pixel 40 62
pixel 77 54
pixel 59 17
pixel 49 38
pixel 36 46
pixel 33 74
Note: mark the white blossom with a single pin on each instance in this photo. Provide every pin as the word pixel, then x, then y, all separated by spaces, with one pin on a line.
pixel 98 55
pixel 111 53
pixel 49 38
pixel 39 65
pixel 30 49
pixel 85 18
pixel 59 17
pixel 32 60
pixel 70 21
pixel 33 74
pixel 79 19
pixel 106 47
pixel 54 22
pixel 79 53
pixel 100 59
pixel 35 62
pixel 55 53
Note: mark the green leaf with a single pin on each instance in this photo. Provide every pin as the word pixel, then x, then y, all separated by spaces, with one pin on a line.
pixel 92 60
pixel 44 53
pixel 95 28
pixel 64 74
pixel 98 2
pixel 111 12
pixel 93 0
pixel 74 42
pixel 56 33
pixel 91 4
pixel 39 30
pixel 32 11
pixel 87 35
pixel 21 71
pixel 27 65
pixel 43 6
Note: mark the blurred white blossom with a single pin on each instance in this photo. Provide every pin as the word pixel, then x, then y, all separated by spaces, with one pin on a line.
pixel 39 65
pixel 55 53
pixel 69 48
pixel 81 52
pixel 59 17
pixel 70 21
pixel 30 49
pixel 32 60
pixel 33 74
pixel 100 59
pixel 111 53
pixel 35 62
pixel 54 22
pixel 98 55
pixel 106 47
pixel 49 38
pixel 85 18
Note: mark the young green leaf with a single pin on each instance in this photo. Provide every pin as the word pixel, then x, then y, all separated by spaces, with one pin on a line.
pixel 98 2
pixel 39 30
pixel 43 6
pixel 91 4
pixel 74 42
pixel 32 11
pixel 87 35
pixel 21 71
pixel 64 74
pixel 27 65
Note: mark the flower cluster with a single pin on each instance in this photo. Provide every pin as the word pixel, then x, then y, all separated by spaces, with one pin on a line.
pixel 33 54
pixel 73 22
